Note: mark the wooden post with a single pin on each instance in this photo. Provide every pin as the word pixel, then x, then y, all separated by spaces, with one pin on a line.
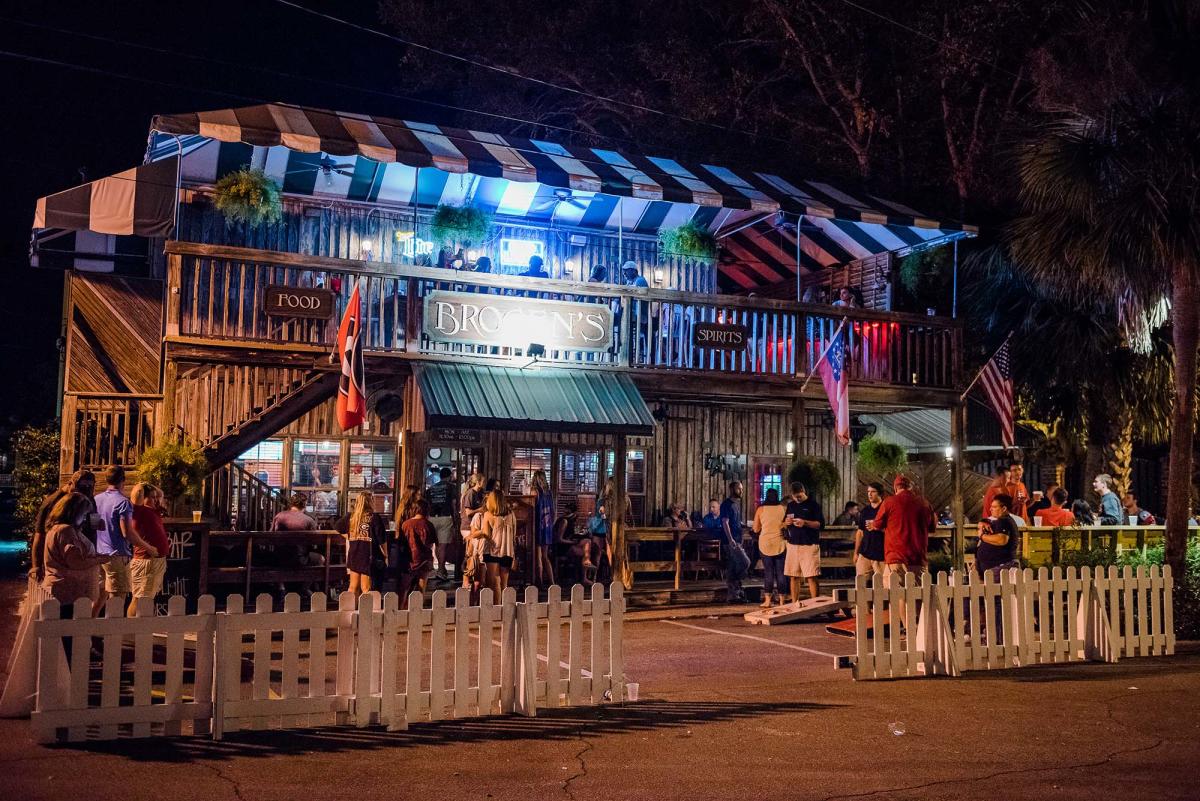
pixel 166 413
pixel 798 425
pixel 616 517
pixel 958 465
pixel 174 293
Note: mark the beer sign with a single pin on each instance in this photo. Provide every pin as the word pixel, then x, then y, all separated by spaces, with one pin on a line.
pixel 290 301
pixel 720 336
pixel 515 322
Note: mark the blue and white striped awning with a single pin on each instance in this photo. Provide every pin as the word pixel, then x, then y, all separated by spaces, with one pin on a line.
pixel 372 159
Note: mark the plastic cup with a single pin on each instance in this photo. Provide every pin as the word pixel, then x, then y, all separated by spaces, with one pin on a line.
pixel 196 515
pixel 1037 520
pixel 631 691
pixel 1133 520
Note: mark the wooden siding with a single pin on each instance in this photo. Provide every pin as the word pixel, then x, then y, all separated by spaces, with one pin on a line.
pixel 115 334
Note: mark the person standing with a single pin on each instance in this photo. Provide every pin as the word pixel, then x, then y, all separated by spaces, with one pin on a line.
pixel 443 509
pixel 629 271
pixel 146 572
pixel 716 526
pixel 804 521
pixel 999 484
pixel 768 524
pixel 543 518
pixel 470 516
pixel 849 515
pixel 1110 505
pixel 998 538
pixel 1129 504
pixel 537 268
pixel 906 521
pixel 500 533
pixel 1015 488
pixel 418 537
pixel 116 536
pixel 868 540
pixel 82 482
pixel 365 541
pixel 731 510
pixel 71 563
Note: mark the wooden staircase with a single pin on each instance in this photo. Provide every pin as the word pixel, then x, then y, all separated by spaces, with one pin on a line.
pixel 240 501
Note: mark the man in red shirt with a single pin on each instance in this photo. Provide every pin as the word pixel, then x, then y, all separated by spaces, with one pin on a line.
pixel 906 520
pixel 999 484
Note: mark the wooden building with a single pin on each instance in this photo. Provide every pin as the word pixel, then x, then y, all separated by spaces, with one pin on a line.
pixel 177 321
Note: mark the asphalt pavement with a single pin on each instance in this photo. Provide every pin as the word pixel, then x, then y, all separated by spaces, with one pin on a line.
pixel 726 711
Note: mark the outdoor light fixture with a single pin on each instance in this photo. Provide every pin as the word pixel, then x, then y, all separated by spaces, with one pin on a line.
pixel 364 248
pixel 791 447
pixel 534 351
pixel 949 452
pixel 569 266
pixel 472 256
pixel 658 275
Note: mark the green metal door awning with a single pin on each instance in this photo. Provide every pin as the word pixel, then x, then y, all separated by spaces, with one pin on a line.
pixel 548 399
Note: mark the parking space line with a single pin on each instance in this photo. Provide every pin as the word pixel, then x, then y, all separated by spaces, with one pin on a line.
pixel 751 637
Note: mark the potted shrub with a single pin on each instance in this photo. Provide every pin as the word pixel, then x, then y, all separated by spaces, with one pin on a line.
pixel 248 196
pixel 177 468
pixel 880 457
pixel 690 241
pixel 459 225
pixel 819 476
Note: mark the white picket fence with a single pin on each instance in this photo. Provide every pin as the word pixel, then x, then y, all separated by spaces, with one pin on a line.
pixel 363 663
pixel 957 622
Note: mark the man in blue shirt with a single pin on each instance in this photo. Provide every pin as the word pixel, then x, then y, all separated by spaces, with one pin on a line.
pixel 115 534
pixel 1110 513
pixel 731 514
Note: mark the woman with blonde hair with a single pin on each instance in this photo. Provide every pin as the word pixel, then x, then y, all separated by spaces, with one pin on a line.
pixel 146 572
pixel 364 542
pixel 471 508
pixel 543 517
pixel 499 532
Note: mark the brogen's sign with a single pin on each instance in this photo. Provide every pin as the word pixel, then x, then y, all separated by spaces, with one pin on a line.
pixel 479 319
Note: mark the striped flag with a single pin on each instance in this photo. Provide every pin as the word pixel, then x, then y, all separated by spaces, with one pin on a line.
pixel 837 386
pixel 352 390
pixel 996 380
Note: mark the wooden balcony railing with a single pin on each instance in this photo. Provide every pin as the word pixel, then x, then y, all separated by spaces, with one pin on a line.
pixel 100 431
pixel 219 292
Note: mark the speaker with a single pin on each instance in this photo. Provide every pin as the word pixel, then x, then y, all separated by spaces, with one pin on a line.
pixel 386 403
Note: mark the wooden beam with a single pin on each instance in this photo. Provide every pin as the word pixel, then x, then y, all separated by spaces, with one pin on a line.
pixel 616 517
pixel 958 466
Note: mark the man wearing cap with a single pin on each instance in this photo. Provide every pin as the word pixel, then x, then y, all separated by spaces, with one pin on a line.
pixel 632 277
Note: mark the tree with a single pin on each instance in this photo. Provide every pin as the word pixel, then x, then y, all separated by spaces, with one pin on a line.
pixel 1110 193
pixel 36 452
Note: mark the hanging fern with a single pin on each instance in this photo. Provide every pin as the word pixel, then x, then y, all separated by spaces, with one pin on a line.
pixel 880 457
pixel 178 469
pixel 819 476
pixel 249 196
pixel 466 225
pixel 690 240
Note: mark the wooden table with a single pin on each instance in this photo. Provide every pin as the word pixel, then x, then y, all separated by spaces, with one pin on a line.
pixel 657 534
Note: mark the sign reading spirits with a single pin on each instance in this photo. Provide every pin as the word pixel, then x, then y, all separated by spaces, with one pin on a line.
pixel 479 319
pixel 720 336
pixel 290 301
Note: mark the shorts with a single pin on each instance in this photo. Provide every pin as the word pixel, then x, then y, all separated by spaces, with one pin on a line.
pixel 505 562
pixel 116 576
pixel 802 561
pixel 900 569
pixel 444 526
pixel 866 567
pixel 146 576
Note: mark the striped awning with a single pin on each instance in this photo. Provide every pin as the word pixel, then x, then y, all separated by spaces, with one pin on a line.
pixel 139 201
pixel 549 399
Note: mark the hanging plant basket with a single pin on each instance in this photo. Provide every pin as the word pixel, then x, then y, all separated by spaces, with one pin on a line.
pixel 249 196
pixel 462 225
pixel 689 241
pixel 819 476
pixel 177 468
pixel 880 457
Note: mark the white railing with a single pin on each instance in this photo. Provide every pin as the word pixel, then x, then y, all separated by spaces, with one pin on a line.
pixel 362 663
pixel 958 622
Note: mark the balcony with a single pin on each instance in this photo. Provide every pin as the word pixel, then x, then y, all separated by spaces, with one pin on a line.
pixel 218 294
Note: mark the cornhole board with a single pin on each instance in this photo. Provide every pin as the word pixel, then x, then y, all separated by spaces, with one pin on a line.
pixel 794 612
pixel 848 628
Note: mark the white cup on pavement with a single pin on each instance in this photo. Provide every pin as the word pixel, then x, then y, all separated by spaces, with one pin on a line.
pixel 631 691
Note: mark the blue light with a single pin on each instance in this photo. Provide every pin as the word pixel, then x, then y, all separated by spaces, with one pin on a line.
pixel 13 546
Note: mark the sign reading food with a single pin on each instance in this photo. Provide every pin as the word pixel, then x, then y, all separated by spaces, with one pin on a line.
pixel 720 336
pixel 291 301
pixel 479 319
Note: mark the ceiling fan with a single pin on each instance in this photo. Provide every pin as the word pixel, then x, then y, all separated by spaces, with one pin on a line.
pixel 327 167
pixel 560 196
pixel 781 223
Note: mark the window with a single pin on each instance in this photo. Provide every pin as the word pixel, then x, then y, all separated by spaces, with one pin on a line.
pixel 316 470
pixel 579 480
pixel 635 481
pixel 525 461
pixel 265 462
pixel 373 467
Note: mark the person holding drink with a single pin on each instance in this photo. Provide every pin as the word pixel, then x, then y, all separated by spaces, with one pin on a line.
pixel 802 522
pixel 1017 491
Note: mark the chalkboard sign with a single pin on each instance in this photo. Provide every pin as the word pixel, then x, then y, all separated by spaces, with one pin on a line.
pixel 185 560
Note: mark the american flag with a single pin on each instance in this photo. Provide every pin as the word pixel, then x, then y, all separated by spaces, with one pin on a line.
pixel 833 376
pixel 996 380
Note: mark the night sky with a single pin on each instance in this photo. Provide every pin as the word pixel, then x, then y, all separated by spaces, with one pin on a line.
pixel 62 119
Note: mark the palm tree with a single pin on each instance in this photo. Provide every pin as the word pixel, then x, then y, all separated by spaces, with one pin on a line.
pixel 1111 210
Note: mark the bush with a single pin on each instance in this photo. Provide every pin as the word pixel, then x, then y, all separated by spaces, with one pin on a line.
pixel 36 450
pixel 877 456
pixel 249 196
pixel 690 240
pixel 178 469
pixel 459 224
pixel 819 476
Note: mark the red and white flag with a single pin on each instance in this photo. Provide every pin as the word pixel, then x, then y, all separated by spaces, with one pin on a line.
pixel 996 380
pixel 352 389
pixel 837 387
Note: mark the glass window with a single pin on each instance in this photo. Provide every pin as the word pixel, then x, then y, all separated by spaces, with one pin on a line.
pixel 265 462
pixel 635 481
pixel 316 468
pixel 578 480
pixel 373 467
pixel 525 461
